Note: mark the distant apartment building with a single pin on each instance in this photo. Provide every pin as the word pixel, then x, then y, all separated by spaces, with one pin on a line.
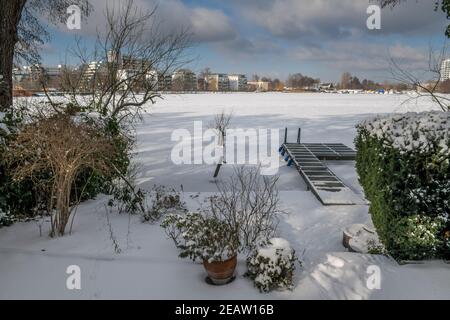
pixel 445 70
pixel 218 82
pixel 164 82
pixel 134 73
pixel 237 82
pixel 90 75
pixel 201 84
pixel 138 80
pixel 114 57
pixel 184 80
pixel 259 86
pixel 30 73
pixel 36 77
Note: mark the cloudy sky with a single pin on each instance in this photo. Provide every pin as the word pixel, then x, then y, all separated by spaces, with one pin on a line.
pixel 320 38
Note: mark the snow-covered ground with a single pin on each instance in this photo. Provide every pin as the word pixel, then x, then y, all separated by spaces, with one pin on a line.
pixel 34 266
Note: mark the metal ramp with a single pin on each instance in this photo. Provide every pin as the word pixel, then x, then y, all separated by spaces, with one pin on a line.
pixel 321 181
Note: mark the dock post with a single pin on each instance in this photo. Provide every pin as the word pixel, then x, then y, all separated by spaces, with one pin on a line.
pixel 299 135
pixel 285 135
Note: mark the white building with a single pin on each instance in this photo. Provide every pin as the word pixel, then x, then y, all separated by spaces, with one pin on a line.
pixel 237 82
pixel 130 77
pixel 184 80
pixel 445 70
pixel 218 82
pixel 259 86
pixel 92 69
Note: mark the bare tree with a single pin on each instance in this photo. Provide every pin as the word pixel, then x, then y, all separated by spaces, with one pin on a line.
pixel 221 124
pixel 422 89
pixel 345 80
pixel 205 73
pixel 22 32
pixel 129 58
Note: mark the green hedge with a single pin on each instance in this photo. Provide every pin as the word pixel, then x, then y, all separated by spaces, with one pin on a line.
pixel 403 165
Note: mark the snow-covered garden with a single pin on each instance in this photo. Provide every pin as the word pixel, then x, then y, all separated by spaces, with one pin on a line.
pixel 120 256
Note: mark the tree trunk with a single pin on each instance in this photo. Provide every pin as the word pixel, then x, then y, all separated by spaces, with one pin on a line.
pixel 10 14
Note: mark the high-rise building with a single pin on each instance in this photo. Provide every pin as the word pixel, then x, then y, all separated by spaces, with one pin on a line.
pixel 238 82
pixel 132 63
pixel 218 82
pixel 90 73
pixel 114 57
pixel 184 80
pixel 164 82
pixel 445 70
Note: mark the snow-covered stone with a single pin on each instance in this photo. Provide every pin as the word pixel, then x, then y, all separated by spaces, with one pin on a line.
pixel 360 238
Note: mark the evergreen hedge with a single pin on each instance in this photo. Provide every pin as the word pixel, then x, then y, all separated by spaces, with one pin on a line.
pixel 403 165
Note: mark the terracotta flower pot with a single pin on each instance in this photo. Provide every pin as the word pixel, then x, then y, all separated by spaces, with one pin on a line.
pixel 221 272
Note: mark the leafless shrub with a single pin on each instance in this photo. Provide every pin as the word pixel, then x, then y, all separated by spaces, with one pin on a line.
pixel 422 89
pixel 221 123
pixel 250 204
pixel 164 201
pixel 52 152
pixel 112 236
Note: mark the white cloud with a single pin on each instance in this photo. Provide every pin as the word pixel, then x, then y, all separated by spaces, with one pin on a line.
pixel 351 56
pixel 205 25
pixel 244 48
pixel 211 25
pixel 336 19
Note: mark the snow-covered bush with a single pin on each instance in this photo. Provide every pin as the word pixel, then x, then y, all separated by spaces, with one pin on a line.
pixel 127 198
pixel 272 266
pixel 201 238
pixel 403 165
pixel 14 198
pixel 419 236
pixel 4 131
pixel 164 201
pixel 5 219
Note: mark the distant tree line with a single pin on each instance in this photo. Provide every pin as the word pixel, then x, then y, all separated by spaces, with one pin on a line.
pixel 299 81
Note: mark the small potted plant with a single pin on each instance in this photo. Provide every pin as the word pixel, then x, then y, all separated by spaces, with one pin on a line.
pixel 206 239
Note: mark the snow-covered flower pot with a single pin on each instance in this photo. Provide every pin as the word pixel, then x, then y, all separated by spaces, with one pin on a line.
pixel 206 239
pixel 221 272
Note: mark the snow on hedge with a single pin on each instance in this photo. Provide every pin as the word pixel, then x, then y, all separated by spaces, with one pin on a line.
pixel 2 124
pixel 419 132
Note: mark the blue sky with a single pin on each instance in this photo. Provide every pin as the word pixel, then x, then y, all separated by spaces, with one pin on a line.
pixel 319 38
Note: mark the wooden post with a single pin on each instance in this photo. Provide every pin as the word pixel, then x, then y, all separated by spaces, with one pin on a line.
pixel 285 135
pixel 299 135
